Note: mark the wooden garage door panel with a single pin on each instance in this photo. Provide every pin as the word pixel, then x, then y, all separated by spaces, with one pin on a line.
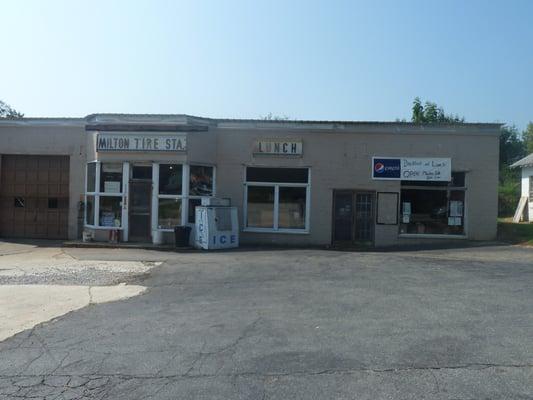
pixel 34 194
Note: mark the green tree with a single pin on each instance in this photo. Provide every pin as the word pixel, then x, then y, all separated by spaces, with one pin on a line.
pixel 431 113
pixel 512 147
pixel 528 138
pixel 8 112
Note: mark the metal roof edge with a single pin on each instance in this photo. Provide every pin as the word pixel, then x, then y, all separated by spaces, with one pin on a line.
pixel 527 161
pixel 43 121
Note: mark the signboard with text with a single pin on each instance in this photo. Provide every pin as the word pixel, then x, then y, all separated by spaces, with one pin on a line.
pixel 412 168
pixel 279 147
pixel 126 142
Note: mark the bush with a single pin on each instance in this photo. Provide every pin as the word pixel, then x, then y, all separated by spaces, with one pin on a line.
pixel 508 191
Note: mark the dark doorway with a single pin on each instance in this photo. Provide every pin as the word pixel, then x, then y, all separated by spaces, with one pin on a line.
pixel 353 217
pixel 140 216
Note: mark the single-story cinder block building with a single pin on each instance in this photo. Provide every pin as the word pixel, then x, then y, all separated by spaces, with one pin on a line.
pixel 293 182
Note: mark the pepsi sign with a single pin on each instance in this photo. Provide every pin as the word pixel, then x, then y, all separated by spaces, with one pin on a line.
pixel 386 168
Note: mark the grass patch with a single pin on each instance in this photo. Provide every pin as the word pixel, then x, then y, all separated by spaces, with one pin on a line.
pixel 510 232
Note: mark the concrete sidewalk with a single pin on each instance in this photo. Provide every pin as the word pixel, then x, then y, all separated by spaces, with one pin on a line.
pixel 24 306
pixel 40 281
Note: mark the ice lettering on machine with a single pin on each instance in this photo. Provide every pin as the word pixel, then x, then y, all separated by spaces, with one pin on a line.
pixel 116 142
pixel 224 239
pixel 201 226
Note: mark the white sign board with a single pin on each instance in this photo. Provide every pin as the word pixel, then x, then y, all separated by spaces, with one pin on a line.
pixel 426 169
pixel 111 187
pixel 128 142
pixel 412 168
pixel 279 147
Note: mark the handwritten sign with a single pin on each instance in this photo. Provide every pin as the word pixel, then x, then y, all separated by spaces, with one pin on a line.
pixel 126 142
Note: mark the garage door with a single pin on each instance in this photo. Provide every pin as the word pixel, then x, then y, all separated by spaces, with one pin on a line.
pixel 34 196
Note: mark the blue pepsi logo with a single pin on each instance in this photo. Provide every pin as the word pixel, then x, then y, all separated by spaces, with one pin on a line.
pixel 379 168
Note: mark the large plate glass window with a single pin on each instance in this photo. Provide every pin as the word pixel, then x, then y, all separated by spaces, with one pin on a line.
pixel 89 210
pixel 277 199
pixel 201 181
pixel 169 213
pixel 433 208
pixel 110 211
pixel 111 178
pixel 260 206
pixel 170 179
pixel 181 189
pixel 91 177
pixel 104 195
pixel 201 184
pixel 170 196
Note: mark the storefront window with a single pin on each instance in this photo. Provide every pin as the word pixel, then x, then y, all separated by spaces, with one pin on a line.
pixel 103 195
pixel 201 181
pixel 292 207
pixel 111 178
pixel 260 207
pixel 277 198
pixel 89 210
pixel 110 211
pixel 283 175
pixel 169 213
pixel 91 177
pixel 170 179
pixel 433 208
pixel 201 184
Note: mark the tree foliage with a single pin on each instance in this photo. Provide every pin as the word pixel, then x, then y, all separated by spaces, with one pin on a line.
pixel 431 113
pixel 8 112
pixel 512 146
pixel 273 117
pixel 528 138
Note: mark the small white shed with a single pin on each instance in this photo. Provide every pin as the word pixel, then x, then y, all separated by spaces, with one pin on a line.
pixel 524 210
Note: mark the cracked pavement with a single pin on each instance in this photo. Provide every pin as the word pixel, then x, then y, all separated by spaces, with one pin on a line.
pixel 294 324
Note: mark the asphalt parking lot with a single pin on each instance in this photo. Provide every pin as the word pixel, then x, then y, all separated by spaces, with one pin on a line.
pixel 292 324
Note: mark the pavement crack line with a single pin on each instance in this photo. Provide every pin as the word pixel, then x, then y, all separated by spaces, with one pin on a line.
pixel 473 366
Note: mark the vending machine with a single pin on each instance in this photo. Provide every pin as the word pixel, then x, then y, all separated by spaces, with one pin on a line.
pixel 217 225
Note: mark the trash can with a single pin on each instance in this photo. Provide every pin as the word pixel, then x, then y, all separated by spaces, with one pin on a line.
pixel 181 234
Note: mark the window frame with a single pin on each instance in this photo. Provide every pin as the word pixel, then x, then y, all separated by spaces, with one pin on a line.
pixel 196 197
pixel 184 196
pixel 448 189
pixel 276 185
pixel 97 194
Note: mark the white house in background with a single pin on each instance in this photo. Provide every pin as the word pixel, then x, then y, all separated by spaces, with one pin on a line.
pixel 525 206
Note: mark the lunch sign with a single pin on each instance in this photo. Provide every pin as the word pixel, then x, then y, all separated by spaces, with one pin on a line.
pixel 279 147
pixel 114 142
pixel 412 168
